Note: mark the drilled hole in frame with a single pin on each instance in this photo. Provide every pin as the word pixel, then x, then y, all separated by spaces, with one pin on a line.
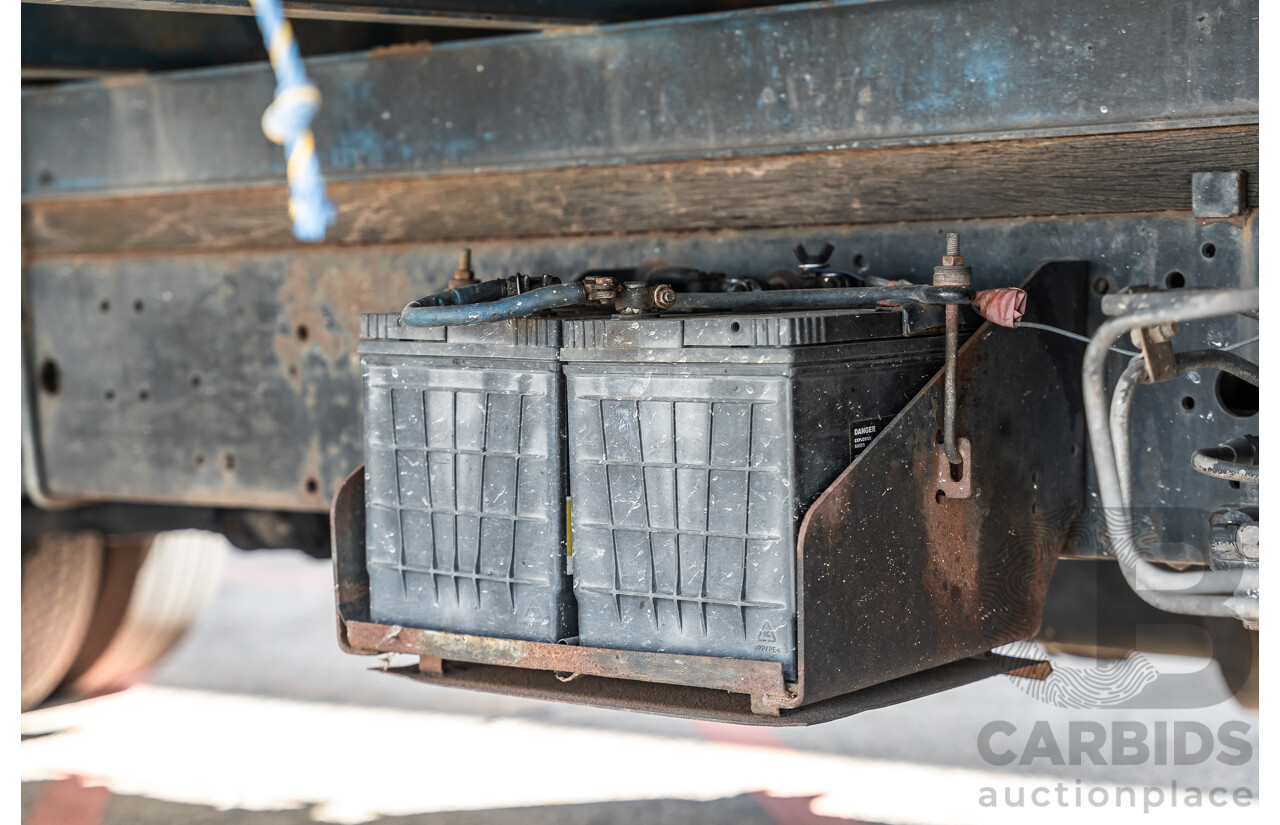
pixel 50 377
pixel 1237 398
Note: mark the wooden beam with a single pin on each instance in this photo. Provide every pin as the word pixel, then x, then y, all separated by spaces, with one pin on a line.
pixel 1127 172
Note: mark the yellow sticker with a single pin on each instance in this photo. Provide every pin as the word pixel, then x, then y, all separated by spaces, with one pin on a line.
pixel 568 527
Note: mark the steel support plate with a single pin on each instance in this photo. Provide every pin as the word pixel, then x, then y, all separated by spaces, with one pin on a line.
pixel 713 705
pixel 693 687
pixel 898 576
pixel 784 80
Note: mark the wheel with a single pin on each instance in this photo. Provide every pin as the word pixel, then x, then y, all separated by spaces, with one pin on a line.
pixel 60 576
pixel 152 588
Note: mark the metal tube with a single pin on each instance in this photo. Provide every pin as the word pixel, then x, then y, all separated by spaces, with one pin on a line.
pixel 516 306
pixel 1235 460
pixel 474 294
pixel 1216 462
pixel 949 386
pixel 951 273
pixel 1121 404
pixel 1134 376
pixel 1125 302
pixel 838 298
pixel 1140 574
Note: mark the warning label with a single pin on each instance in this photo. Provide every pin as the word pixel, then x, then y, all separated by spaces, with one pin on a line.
pixel 862 433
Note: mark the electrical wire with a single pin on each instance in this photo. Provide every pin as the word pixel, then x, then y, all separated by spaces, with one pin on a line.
pixel 1246 342
pixel 1084 338
pixel 1075 335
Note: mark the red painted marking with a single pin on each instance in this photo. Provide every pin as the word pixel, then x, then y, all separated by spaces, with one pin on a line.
pixel 70 802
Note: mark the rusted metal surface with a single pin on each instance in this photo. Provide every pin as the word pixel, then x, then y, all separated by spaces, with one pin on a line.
pixel 1156 344
pixel 734 675
pixel 431 665
pixel 1110 174
pixel 898 579
pixel 214 380
pixel 1033 670
pixel 350 576
pixel 956 480
pixel 953 272
pixel 286 410
pixel 709 705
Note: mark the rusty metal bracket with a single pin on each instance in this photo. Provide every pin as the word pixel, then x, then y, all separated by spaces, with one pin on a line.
pixel 955 480
pixel 953 272
pixel 712 705
pixel 694 687
pixel 1039 671
pixel 1156 344
pixel 928 586
pixel 941 579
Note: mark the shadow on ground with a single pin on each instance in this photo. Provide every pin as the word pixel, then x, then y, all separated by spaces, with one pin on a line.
pixel 68 803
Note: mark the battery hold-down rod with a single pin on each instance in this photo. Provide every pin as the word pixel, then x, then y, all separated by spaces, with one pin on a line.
pixel 952 273
pixel 482 303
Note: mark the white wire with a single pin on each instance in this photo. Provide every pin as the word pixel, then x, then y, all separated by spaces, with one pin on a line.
pixel 1076 336
pixel 1246 342
pixel 1237 345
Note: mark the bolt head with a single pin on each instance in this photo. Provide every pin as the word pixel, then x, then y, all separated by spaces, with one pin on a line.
pixel 664 296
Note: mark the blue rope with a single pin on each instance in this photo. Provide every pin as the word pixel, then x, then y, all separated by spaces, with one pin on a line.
pixel 287 121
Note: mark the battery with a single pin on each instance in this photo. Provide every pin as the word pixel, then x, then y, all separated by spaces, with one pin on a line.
pixel 465 479
pixel 695 446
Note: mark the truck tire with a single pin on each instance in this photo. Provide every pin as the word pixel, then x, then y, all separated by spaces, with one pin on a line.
pixel 152 588
pixel 60 577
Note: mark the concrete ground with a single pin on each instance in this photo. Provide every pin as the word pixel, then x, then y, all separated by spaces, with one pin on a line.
pixel 258 719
